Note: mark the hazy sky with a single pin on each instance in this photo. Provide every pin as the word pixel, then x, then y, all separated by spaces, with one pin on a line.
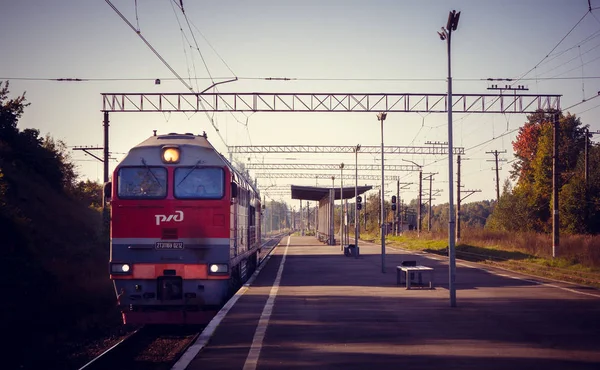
pixel 326 45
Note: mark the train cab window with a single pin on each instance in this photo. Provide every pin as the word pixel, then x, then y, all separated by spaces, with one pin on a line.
pixel 142 182
pixel 199 183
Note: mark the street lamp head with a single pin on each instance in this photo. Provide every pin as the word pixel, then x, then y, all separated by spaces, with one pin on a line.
pixel 381 116
pixel 443 34
pixel 452 24
pixel 357 147
pixel 342 165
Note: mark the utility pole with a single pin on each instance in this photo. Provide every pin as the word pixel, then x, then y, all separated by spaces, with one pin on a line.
pixel 555 187
pixel 458 197
pixel 308 216
pixel 106 154
pixel 301 219
pixel 342 206
pixel 396 219
pixel 419 221
pixel 365 212
pixel 495 153
pixel 430 178
pixel 586 173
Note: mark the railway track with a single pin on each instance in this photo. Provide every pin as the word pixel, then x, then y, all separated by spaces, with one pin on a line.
pixel 148 348
pixel 157 347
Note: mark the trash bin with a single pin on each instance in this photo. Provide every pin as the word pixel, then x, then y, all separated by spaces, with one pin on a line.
pixel 352 249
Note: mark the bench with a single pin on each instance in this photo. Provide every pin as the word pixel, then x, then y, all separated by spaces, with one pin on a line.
pixel 408 272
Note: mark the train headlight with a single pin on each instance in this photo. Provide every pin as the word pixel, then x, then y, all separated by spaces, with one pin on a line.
pixel 218 268
pixel 170 155
pixel 120 268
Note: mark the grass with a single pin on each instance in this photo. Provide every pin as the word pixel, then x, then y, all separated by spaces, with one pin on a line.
pixel 578 260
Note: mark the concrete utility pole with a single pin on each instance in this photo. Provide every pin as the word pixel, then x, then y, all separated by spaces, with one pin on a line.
pixel 420 198
pixel 586 171
pixel 301 219
pixel 381 117
pixel 555 187
pixel 495 153
pixel 356 216
pixel 308 216
pixel 342 206
pixel 430 178
pixel 365 212
pixel 106 153
pixel 396 219
pixel 458 197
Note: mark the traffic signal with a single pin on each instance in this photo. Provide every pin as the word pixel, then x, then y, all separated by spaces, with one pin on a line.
pixel 393 202
pixel 359 202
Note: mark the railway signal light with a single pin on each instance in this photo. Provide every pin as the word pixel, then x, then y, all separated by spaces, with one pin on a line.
pixel 393 202
pixel 359 202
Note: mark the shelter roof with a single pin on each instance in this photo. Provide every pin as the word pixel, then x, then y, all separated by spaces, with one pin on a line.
pixel 318 193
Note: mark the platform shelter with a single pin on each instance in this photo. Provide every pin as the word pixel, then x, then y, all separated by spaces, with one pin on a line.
pixel 325 198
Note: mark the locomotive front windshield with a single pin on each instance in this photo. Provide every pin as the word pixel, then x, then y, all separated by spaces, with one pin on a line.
pixel 142 182
pixel 199 183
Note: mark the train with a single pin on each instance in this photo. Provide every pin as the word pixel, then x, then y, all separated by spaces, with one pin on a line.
pixel 184 230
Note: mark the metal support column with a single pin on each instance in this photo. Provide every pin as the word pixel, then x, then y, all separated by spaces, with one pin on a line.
pixel 555 188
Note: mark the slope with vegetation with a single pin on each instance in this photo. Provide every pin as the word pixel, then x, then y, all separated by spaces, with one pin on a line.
pixel 54 251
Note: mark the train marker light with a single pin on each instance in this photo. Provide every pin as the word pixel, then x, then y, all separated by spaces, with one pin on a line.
pixel 170 155
pixel 120 268
pixel 219 268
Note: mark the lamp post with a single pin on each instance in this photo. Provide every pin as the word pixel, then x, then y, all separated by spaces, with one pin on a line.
pixel 381 117
pixel 446 34
pixel 342 206
pixel 331 213
pixel 419 224
pixel 356 219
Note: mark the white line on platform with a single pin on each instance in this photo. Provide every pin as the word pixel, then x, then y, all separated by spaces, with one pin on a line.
pixel 261 329
pixel 529 281
pixel 202 340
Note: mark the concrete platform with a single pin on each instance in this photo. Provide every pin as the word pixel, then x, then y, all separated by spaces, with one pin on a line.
pixel 311 307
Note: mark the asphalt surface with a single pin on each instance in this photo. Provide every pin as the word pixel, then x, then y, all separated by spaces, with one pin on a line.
pixel 329 311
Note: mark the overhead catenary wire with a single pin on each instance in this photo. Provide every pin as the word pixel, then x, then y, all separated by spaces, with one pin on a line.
pixel 149 45
pixel 554 48
pixel 152 79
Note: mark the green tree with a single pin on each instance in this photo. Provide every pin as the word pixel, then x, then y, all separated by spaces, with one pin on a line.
pixel 512 213
pixel 533 168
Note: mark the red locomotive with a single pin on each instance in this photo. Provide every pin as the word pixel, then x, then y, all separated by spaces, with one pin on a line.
pixel 185 230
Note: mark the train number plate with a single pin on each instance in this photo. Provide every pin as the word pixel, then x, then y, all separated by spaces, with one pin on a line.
pixel 168 245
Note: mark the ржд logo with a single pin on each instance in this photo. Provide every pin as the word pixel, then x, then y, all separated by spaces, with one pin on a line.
pixel 177 217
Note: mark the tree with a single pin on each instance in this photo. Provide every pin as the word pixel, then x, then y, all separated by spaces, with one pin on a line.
pixel 44 155
pixel 533 167
pixel 10 112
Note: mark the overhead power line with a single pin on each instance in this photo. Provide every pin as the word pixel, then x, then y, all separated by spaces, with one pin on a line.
pixel 554 48
pixel 152 79
pixel 149 45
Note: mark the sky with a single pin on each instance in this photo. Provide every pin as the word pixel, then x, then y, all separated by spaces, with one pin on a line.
pixel 334 46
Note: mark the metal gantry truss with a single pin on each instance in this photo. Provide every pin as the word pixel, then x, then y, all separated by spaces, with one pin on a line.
pixel 327 102
pixel 264 149
pixel 327 166
pixel 289 175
